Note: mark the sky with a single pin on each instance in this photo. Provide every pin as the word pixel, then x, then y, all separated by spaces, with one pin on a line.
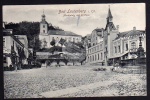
pixel 126 15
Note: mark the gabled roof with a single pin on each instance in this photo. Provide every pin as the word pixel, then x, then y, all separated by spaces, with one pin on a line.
pixel 130 33
pixel 59 32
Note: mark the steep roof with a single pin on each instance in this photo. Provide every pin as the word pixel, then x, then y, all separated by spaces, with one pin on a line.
pixel 59 32
pixel 130 33
pixel 109 14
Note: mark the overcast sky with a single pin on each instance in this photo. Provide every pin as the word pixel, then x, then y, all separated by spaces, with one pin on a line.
pixel 125 15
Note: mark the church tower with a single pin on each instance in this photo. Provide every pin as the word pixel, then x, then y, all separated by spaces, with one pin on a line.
pixel 109 16
pixel 43 25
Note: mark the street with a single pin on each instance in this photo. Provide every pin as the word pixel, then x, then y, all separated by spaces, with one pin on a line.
pixel 29 82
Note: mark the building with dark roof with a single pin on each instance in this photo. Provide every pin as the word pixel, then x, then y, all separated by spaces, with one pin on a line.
pixel 105 45
pixel 46 35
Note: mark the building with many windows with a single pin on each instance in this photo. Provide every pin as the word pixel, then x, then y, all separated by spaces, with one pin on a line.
pixel 108 45
pixel 46 35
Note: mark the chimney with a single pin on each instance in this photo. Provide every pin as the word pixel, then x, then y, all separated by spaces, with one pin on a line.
pixel 134 28
pixel 117 27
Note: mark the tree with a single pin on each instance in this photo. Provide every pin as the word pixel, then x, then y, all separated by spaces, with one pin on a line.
pixel 62 41
pixel 53 42
pixel 25 28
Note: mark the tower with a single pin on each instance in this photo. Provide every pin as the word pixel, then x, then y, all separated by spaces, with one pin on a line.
pixel 43 25
pixel 109 35
pixel 109 16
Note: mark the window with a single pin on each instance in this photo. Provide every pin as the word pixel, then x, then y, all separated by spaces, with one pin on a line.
pixel 43 31
pixel 119 48
pixel 106 49
pixel 98 56
pixel 115 49
pixel 43 26
pixel 96 38
pixel 126 47
pixel 4 42
pixel 90 58
pixel 101 56
pixel 95 58
pixel 133 45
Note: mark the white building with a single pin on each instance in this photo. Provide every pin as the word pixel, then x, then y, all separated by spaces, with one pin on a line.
pixel 10 40
pixel 104 45
pixel 46 35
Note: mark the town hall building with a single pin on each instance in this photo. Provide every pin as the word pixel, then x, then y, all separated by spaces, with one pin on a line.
pixel 108 45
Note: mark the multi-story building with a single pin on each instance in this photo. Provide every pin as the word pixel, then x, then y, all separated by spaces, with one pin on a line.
pixel 126 44
pixel 9 41
pixel 46 35
pixel 109 45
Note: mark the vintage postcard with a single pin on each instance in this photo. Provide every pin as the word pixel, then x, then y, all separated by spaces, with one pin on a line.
pixel 74 50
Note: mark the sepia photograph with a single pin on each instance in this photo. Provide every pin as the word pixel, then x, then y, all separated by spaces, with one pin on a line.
pixel 74 50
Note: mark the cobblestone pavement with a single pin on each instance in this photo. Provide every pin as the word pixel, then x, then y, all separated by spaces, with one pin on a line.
pixel 31 82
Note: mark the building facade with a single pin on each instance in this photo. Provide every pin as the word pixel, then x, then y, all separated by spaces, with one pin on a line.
pixel 108 45
pixel 13 42
pixel 46 35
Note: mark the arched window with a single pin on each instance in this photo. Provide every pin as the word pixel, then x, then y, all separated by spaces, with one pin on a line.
pixel 133 45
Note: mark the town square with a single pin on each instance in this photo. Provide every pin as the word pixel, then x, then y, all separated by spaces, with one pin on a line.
pixel 85 50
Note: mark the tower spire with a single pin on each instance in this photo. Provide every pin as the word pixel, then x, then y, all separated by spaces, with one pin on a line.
pixel 43 16
pixel 109 16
